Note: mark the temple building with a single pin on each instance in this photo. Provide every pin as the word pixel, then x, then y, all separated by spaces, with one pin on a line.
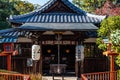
pixel 60 28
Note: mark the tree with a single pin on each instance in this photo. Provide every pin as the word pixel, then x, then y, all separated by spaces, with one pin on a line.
pixel 92 5
pixel 109 9
pixel 89 5
pixel 23 6
pixel 5 10
pixel 10 7
pixel 110 28
pixel 108 25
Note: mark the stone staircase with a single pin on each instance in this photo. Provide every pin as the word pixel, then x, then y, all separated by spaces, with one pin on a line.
pixel 58 78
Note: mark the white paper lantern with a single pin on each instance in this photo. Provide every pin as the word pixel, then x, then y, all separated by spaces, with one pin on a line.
pixel 79 52
pixel 36 52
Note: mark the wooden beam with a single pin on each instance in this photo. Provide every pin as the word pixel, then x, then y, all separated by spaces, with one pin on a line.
pixel 2 54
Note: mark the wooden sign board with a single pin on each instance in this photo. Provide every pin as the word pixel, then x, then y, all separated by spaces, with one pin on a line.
pixel 59 42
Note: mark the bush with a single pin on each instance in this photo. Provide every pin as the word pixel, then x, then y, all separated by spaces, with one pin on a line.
pixel 35 77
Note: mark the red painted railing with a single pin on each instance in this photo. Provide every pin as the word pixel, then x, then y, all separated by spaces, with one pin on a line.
pixel 10 76
pixel 100 76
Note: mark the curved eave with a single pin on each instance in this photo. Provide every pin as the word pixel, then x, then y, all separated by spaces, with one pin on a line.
pixel 60 18
pixel 11 32
pixel 12 18
pixel 101 17
pixel 58 27
pixel 7 30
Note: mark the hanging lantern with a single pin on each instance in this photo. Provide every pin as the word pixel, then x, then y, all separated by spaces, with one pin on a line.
pixel 67 51
pixel 36 52
pixel 49 51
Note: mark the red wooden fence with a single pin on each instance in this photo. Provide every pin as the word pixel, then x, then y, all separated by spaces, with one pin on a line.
pixel 100 76
pixel 10 76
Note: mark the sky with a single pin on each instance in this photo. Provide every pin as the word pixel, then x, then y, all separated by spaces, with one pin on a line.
pixel 40 2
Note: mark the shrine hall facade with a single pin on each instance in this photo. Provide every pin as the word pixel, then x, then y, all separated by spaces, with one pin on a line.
pixel 58 26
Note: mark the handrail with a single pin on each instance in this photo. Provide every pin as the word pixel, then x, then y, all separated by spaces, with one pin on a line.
pixel 99 76
pixel 83 77
pixel 13 76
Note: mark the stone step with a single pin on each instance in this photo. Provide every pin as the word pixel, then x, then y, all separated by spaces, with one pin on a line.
pixel 58 78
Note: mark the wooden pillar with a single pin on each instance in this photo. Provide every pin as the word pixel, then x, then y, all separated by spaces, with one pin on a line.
pixel 37 68
pixel 112 67
pixel 112 54
pixel 9 62
pixel 76 68
pixel 39 63
pixel 40 66
pixel 112 63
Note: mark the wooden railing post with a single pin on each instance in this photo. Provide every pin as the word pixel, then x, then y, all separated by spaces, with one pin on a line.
pixel 112 68
pixel 9 62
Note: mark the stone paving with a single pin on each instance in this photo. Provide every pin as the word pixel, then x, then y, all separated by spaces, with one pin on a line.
pixel 58 78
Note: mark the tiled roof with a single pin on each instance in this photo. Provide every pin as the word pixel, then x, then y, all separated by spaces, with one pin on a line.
pixel 66 2
pixel 12 32
pixel 57 18
pixel 25 29
pixel 8 40
pixel 38 16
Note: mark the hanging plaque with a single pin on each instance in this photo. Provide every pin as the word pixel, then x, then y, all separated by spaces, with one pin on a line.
pixel 29 62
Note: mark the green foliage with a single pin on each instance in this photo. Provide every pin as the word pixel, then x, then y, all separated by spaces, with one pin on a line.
pixel 118 60
pixel 23 6
pixel 101 44
pixel 4 25
pixel 5 11
pixel 12 7
pixel 108 25
pixel 89 5
pixel 110 28
pixel 115 37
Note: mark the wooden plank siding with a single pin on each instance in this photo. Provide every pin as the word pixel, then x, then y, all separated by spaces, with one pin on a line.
pixel 90 65
pixel 96 65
